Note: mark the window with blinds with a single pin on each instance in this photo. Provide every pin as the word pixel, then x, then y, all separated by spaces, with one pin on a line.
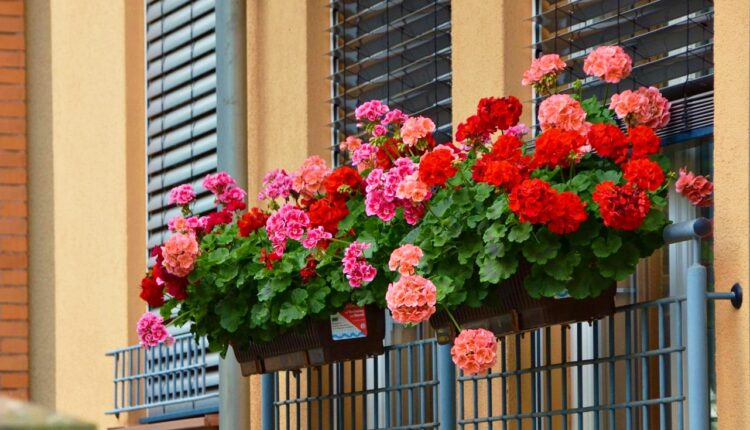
pixel 181 148
pixel 396 51
pixel 181 104
pixel 671 42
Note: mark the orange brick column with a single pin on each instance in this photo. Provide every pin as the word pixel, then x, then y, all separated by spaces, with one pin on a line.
pixel 14 325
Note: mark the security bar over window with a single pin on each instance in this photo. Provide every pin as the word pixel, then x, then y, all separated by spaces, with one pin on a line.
pixel 393 50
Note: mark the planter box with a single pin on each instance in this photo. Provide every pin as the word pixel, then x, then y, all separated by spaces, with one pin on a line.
pixel 318 342
pixel 514 311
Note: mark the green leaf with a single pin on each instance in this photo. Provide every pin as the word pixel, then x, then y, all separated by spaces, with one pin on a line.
pixel 494 270
pixel 218 256
pixel 231 312
pixel 561 267
pixel 587 283
pixel 543 248
pixel 470 246
pixel 444 286
pixel 227 272
pixel 495 232
pixel 587 232
pixel 655 220
pixel 498 208
pixel 621 264
pixel 495 249
pixel 604 246
pixel 539 284
pixel 438 208
pixel 259 315
pixel 290 313
pixel 298 296
pixel 520 232
pixel 582 182
pixel 483 191
pixel 271 287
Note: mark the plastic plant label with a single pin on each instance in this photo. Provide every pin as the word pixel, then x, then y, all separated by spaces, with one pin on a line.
pixel 350 323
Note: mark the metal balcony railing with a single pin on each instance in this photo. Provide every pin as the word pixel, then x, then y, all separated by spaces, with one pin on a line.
pixel 181 379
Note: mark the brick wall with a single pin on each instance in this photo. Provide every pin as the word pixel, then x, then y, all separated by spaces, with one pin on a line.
pixel 14 325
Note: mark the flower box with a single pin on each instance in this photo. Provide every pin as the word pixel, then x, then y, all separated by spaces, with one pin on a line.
pixel 511 310
pixel 315 344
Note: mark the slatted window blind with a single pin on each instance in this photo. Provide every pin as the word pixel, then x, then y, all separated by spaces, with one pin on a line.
pixel 181 97
pixel 181 148
pixel 671 42
pixel 396 51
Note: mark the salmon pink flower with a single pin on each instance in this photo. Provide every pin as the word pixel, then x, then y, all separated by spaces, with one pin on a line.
pixel 351 144
pixel 405 258
pixel 474 350
pixel 416 128
pixel 609 63
pixel 644 106
pixel 411 188
pixel 180 252
pixel 564 112
pixel 411 299
pixel 696 188
pixel 308 180
pixel 543 70
pixel 372 110
pixel 181 194
pixel 152 332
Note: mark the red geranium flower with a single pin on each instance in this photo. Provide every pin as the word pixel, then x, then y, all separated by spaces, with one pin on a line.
pixel 217 218
pixel 151 292
pixel 499 113
pixel 176 286
pixel 644 174
pixel 308 272
pixel 507 147
pixel 555 146
pixel 501 173
pixel 531 201
pixel 437 167
pixel 645 141
pixel 387 154
pixel 473 128
pixel 343 181
pixel 327 213
pixel 622 208
pixel 609 141
pixel 251 221
pixel 568 213
pixel 268 258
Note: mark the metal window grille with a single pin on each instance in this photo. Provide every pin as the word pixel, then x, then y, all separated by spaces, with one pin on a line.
pixel 165 379
pixel 395 51
pixel 671 42
pixel 181 104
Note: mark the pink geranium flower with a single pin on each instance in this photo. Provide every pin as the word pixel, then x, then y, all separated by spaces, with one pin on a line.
pixel 289 222
pixel 351 144
pixel 696 188
pixel 411 299
pixel 609 63
pixel 416 128
pixel 152 332
pixel 217 182
pixel 308 180
pixel 405 258
pixel 474 350
pixel 411 188
pixel 276 184
pixel 181 194
pixel 180 252
pixel 371 111
pixel 395 117
pixel 364 157
pixel 546 66
pixel 357 270
pixel 644 106
pixel 564 112
pixel 315 236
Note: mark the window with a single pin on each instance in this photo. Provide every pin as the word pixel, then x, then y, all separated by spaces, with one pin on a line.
pixel 671 42
pixel 396 51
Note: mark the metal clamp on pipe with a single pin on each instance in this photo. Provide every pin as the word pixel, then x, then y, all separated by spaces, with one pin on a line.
pixel 698 228
pixel 734 296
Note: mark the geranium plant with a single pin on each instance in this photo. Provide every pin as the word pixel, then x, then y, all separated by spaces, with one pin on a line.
pixel 412 225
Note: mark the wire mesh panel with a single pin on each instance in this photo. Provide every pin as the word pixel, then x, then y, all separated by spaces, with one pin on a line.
pixel 395 51
pixel 622 372
pixel 182 375
pixel 397 390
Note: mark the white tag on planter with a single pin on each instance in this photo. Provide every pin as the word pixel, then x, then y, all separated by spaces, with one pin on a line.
pixel 350 323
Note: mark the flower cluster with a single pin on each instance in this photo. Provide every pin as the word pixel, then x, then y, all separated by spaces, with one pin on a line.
pixel 564 112
pixel 405 258
pixel 543 72
pixel 609 63
pixel 309 179
pixel 493 114
pixel 696 188
pixel 181 195
pixel 152 332
pixel 397 187
pixel 180 252
pixel 411 299
pixel 276 184
pixel 474 350
pixel 357 270
pixel 536 202
pixel 289 222
pixel 504 166
pixel 644 106
pixel 623 207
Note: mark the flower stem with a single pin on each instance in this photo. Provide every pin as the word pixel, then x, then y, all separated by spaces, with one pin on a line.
pixel 173 321
pixel 452 318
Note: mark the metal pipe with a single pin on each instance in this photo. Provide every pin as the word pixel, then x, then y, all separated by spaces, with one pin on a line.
pixel 446 387
pixel 687 230
pixel 697 357
pixel 231 115
pixel 267 390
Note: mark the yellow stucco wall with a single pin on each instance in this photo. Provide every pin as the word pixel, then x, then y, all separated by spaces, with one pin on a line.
pixel 83 193
pixel 732 217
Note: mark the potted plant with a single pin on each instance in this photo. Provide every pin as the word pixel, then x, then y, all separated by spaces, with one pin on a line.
pixel 498 233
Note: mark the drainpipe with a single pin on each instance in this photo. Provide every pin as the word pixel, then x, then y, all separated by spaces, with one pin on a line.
pixel 231 115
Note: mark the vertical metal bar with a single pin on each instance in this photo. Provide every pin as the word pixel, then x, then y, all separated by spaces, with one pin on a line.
pixel 680 387
pixel 579 373
pixel 410 381
pixel 503 370
pixel 287 396
pixel 519 399
pixel 446 388
pixel 644 365
pixel 309 396
pixel 267 390
pixel 332 401
pixel 399 389
pixel 662 371
pixel 532 352
pixel 297 379
pixel 548 382
pixel 697 358
pixel 353 399
pixel 320 394
pixel 387 387
pixel 612 370
pixel 597 368
pixel 376 384
pixel 475 400
pixel 422 380
pixel 564 369
pixel 628 371
pixel 231 81
pixel 117 362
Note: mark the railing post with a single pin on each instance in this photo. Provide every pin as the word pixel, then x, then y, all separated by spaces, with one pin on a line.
pixel 266 401
pixel 446 388
pixel 231 128
pixel 697 357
